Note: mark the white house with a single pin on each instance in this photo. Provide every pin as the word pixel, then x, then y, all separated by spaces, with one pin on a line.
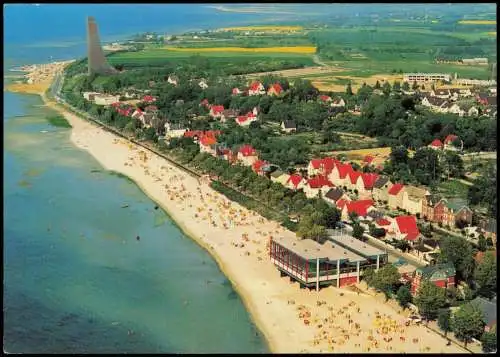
pixel 203 84
pixel 90 95
pixel 338 102
pixel 104 99
pixel 172 130
pixel 288 126
pixel 172 79
pixel 247 155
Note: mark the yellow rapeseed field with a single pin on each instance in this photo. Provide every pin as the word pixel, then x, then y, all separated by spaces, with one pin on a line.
pixel 264 28
pixel 294 49
pixel 494 33
pixel 477 22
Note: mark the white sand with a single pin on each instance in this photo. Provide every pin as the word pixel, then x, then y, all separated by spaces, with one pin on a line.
pixel 265 294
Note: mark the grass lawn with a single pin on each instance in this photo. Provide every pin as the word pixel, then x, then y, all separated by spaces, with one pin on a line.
pixel 452 188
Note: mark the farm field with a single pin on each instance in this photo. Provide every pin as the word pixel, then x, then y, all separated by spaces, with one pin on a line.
pixel 264 28
pixel 158 57
pixel 380 154
pixel 477 22
pixel 288 49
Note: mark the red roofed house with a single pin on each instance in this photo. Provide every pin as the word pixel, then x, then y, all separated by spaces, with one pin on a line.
pixel 361 207
pixel 256 88
pixel 258 167
pixel 365 183
pixel 247 155
pixel 436 144
pixel 295 182
pixel 316 184
pixel 207 144
pixel 275 89
pixel 149 99
pixel 321 166
pixel 405 227
pixel 449 143
pixel 441 275
pixel 325 99
pixel 384 223
pixel 236 91
pixel 216 111
pixel 246 120
pixel 352 179
pixel 396 196
pixel 339 174
pixel 368 159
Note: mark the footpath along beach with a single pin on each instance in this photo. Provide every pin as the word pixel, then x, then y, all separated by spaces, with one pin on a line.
pixel 292 319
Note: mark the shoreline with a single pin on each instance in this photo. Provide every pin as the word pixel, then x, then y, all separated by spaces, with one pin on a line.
pixel 272 302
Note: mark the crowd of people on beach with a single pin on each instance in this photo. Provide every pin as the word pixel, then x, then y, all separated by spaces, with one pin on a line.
pixel 338 327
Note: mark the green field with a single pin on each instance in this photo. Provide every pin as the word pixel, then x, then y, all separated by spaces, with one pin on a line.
pixel 152 57
pixel 453 189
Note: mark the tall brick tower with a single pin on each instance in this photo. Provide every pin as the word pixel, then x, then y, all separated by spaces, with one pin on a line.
pixel 97 63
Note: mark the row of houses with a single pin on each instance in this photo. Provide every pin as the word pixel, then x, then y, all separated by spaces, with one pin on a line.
pixel 444 101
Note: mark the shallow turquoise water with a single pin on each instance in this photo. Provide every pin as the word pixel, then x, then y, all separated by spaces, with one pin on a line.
pixel 75 277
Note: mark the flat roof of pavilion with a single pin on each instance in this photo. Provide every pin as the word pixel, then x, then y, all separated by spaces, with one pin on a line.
pixel 357 245
pixel 311 250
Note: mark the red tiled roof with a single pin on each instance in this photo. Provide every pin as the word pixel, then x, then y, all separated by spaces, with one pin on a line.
pixel 437 143
pixel 257 166
pixel 207 140
pixel 295 179
pixel 247 150
pixel 369 179
pixel 255 86
pixel 193 133
pixel 353 176
pixel 394 190
pixel 325 98
pixel 344 169
pixel 368 159
pixel 149 98
pixel 360 207
pixel 242 118
pixel 382 222
pixel 341 203
pixel 316 163
pixel 408 225
pixel 328 164
pixel 277 88
pixel 450 138
pixel 319 181
pixel 217 109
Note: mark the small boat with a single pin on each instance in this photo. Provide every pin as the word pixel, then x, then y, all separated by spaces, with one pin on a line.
pixel 125 205
pixel 43 131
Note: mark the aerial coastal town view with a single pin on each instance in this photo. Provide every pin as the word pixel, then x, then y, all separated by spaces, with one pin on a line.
pixel 335 165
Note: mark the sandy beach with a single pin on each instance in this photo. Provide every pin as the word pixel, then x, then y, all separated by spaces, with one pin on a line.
pixel 293 320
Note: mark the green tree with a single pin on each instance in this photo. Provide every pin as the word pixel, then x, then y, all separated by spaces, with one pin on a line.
pixel 377 85
pixel 404 296
pixel 358 231
pixel 385 279
pixel 457 251
pixel 482 245
pixel 485 275
pixel 415 85
pixel 368 276
pixel 467 322
pixel 444 321
pixel 386 88
pixel 405 86
pixel 429 300
pixel 489 341
pixel 348 89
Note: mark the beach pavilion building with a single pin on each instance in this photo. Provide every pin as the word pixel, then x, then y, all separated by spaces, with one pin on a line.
pixel 313 264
